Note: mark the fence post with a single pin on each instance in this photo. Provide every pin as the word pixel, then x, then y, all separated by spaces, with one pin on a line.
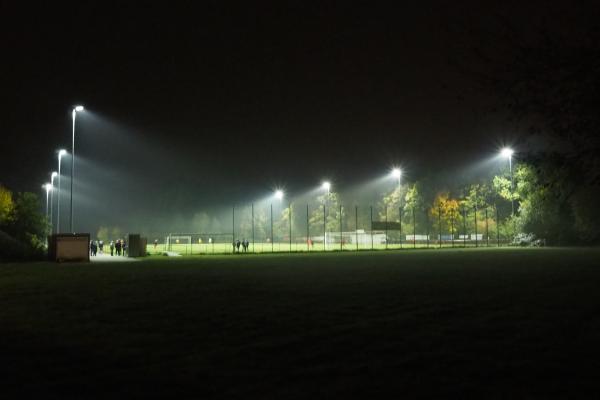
pixel 371 227
pixel 253 245
pixel 272 228
pixel 307 230
pixel 400 216
pixel 324 230
pixel 487 231
pixel 386 229
pixel 452 228
pixel 341 231
pixel 414 229
pixel 465 226
pixel 476 238
pixel 290 216
pixel 356 225
pixel 440 224
pixel 233 227
pixel 497 226
pixel 427 227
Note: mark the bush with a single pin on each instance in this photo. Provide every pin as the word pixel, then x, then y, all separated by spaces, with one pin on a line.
pixel 12 249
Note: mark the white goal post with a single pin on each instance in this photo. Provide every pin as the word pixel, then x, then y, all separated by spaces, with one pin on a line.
pixel 178 239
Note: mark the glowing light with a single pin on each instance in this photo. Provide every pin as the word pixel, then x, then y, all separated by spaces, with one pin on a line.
pixel 47 186
pixel 54 175
pixel 62 152
pixel 326 186
pixel 396 173
pixel 506 152
pixel 279 194
pixel 78 108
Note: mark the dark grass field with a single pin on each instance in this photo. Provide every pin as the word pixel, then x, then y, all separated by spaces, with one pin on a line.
pixel 508 323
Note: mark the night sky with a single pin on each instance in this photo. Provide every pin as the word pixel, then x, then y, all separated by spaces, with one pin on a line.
pixel 211 103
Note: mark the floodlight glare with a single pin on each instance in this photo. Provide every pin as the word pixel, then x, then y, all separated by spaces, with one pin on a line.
pixel 79 108
pixel 54 175
pixel 279 194
pixel 506 152
pixel 396 173
pixel 326 185
pixel 62 152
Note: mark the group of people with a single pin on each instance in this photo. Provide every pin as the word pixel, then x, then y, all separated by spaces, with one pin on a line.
pixel 119 247
pixel 237 243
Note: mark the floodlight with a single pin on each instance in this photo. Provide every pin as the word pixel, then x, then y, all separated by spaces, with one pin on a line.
pixel 396 173
pixel 62 152
pixel 279 194
pixel 78 108
pixel 326 185
pixel 53 175
pixel 47 186
pixel 506 152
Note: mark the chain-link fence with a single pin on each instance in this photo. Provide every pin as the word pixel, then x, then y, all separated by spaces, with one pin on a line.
pixel 320 227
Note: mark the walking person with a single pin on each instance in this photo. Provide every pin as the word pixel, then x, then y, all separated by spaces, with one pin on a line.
pixel 112 248
pixel 123 247
pixel 237 245
pixel 118 247
pixel 101 246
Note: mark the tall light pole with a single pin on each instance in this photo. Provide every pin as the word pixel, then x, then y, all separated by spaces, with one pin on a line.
pixel 397 174
pixel 48 188
pixel 61 153
pixel 74 115
pixel 508 153
pixel 52 176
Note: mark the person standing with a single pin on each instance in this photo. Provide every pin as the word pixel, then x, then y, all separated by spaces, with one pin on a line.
pixel 118 247
pixel 112 248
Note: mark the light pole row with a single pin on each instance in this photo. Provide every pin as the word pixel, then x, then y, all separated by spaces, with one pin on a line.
pixel 49 187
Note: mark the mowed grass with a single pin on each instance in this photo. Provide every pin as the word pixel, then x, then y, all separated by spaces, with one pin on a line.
pixel 283 247
pixel 475 323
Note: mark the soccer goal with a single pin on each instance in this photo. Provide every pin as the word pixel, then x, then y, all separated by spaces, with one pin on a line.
pixel 178 242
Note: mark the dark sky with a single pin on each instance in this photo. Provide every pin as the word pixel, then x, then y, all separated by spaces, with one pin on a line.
pixel 215 102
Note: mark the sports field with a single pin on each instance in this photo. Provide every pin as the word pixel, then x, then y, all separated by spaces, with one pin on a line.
pixel 466 323
pixel 295 247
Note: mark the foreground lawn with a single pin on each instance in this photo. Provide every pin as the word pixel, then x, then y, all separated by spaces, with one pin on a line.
pixel 490 323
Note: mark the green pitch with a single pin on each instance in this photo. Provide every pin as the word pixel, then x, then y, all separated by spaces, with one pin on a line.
pixel 286 247
pixel 490 323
